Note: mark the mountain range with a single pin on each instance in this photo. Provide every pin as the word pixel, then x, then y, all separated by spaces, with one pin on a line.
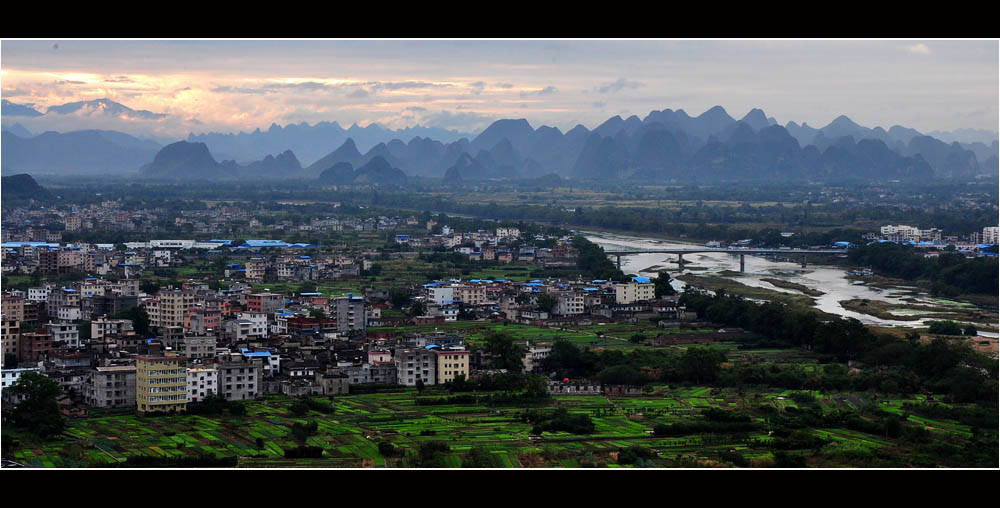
pixel 664 146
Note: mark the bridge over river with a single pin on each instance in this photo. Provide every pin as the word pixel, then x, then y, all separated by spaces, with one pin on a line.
pixel 742 252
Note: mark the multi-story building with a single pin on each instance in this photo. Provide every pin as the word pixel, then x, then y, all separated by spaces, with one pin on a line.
pixel 196 346
pixel 11 336
pixel 161 383
pixel 639 289
pixel 569 303
pixel 451 363
pixel 991 235
pixel 10 376
pixel 256 268
pixel 202 382
pixel 13 307
pixel 201 321
pixel 350 312
pixel 33 347
pixel 111 387
pixel 64 334
pixel 99 328
pixel 265 302
pixel 240 378
pixel 417 364
pixel 169 307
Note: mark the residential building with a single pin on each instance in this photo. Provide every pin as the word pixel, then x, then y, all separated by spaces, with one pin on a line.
pixel 161 383
pixel 450 364
pixel 111 387
pixel 202 382
pixel 638 289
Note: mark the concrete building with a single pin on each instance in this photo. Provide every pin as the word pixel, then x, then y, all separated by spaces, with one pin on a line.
pixel 240 378
pixel 639 289
pixel 417 364
pixel 170 307
pixel 101 327
pixel 11 336
pixel 265 302
pixel 111 387
pixel 450 364
pixel 202 381
pixel 991 235
pixel 161 383
pixel 10 376
pixel 350 312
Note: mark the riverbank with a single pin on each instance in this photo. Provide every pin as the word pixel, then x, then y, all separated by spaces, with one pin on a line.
pixel 714 283
pixel 784 284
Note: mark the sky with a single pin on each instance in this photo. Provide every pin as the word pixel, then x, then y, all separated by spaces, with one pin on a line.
pixel 464 85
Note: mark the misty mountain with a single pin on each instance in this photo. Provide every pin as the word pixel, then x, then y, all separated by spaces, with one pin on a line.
pixel 18 130
pixel 105 107
pixel 77 152
pixel 193 161
pixel 8 108
pixel 311 142
pixel 948 161
pixel 665 145
pixel 376 171
pixel 965 136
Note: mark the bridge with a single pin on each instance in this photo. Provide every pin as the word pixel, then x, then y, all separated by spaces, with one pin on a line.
pixel 742 252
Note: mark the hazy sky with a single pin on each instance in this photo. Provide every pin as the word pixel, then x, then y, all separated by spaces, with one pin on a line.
pixel 464 85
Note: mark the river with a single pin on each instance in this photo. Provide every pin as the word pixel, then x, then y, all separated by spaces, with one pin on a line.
pixel 832 281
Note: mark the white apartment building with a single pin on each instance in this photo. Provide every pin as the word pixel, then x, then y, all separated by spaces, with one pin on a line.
pixel 201 381
pixel 991 235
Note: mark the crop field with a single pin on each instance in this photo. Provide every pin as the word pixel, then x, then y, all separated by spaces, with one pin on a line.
pixel 350 436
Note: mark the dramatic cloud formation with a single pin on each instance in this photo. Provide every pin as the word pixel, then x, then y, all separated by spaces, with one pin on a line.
pixel 227 86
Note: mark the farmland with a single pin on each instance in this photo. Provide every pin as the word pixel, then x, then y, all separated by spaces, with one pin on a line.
pixel 352 434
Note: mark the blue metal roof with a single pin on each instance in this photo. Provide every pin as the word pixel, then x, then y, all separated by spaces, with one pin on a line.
pixel 642 280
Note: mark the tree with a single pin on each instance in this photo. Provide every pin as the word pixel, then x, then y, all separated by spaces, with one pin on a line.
pixel 420 386
pixel 139 318
pixel 661 285
pixel 37 411
pixel 504 353
pixel 417 309
pixel 546 302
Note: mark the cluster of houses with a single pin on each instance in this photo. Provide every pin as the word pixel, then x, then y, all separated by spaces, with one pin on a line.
pixel 934 239
pixel 543 302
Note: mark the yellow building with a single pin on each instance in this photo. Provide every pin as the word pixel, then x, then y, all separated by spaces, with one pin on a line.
pixel 450 364
pixel 161 383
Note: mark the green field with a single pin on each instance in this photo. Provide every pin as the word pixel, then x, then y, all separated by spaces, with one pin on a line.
pixel 350 436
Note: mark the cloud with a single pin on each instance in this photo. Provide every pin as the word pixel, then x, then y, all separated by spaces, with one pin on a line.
pixel 549 90
pixel 359 93
pixel 243 90
pixel 920 49
pixel 504 85
pixel 120 79
pixel 404 85
pixel 598 105
pixel 618 86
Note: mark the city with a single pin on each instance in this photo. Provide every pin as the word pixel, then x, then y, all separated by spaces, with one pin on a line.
pixel 674 291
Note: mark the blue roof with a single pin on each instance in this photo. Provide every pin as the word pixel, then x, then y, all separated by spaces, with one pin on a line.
pixel 642 280
pixel 258 354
